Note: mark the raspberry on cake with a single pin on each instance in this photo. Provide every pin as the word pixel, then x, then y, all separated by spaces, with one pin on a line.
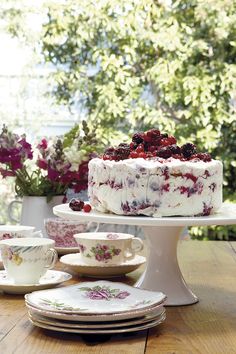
pixel 154 176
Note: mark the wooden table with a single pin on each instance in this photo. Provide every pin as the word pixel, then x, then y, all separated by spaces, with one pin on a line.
pixel 206 327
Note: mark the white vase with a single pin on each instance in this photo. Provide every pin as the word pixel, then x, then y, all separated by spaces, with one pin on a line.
pixel 35 210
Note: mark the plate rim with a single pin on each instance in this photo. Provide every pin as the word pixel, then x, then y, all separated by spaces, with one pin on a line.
pixel 103 331
pixel 219 218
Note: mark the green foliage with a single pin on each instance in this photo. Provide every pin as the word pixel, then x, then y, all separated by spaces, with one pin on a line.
pixel 133 65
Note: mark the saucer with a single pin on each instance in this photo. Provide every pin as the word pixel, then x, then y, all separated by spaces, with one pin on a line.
pixel 49 280
pixel 66 250
pixel 75 263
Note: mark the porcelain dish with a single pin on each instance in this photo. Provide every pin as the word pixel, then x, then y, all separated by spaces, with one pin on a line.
pixel 93 318
pixel 76 264
pixel 125 329
pixel 95 298
pixel 51 279
pixel 99 325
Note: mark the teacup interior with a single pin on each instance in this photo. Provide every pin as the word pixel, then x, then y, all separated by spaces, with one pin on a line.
pixel 16 228
pixel 103 236
pixel 27 242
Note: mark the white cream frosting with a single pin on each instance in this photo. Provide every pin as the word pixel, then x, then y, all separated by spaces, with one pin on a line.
pixel 155 187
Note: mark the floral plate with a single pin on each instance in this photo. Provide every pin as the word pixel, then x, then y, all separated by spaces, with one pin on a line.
pixel 92 317
pixel 125 329
pixel 94 298
pixel 99 325
pixel 75 263
pixel 49 280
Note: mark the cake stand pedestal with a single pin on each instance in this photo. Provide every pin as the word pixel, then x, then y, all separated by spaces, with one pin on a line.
pixel 162 272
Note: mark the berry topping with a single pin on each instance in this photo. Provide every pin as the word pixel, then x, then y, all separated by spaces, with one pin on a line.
pixel 87 208
pixel 164 152
pixel 168 141
pixel 188 150
pixel 204 157
pixel 153 133
pixel 154 144
pixel 122 152
pixel 76 204
pixel 138 137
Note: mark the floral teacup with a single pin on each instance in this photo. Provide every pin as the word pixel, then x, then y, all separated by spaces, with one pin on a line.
pixel 26 260
pixel 107 248
pixel 16 231
pixel 62 231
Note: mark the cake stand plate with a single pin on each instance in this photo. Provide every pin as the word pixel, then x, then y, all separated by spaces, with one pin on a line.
pixel 162 272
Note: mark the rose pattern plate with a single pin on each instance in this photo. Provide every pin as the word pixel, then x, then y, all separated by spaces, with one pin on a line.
pixel 99 297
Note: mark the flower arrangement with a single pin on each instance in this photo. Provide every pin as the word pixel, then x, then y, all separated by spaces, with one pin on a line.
pixel 50 168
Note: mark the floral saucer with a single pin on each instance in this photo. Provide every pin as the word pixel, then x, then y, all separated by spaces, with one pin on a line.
pixel 51 279
pixel 75 263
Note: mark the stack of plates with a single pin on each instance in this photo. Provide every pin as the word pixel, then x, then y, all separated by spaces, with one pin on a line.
pixel 99 307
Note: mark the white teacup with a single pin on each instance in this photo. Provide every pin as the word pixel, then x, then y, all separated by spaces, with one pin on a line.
pixel 16 231
pixel 107 248
pixel 26 260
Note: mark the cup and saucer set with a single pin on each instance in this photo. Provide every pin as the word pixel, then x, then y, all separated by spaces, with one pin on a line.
pixel 90 253
pixel 26 260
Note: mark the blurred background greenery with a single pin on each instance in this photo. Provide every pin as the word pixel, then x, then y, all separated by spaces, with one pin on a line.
pixel 128 65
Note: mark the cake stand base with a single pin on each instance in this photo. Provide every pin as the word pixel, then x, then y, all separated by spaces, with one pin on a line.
pixel 162 272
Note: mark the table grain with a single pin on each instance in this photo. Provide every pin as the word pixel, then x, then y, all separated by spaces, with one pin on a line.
pixel 209 268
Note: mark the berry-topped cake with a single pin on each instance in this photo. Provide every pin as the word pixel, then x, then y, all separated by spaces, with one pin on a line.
pixel 154 176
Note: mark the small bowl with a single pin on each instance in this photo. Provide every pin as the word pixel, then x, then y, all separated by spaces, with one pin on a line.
pixel 62 231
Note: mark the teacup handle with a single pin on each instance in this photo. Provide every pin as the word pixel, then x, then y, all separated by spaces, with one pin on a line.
pixel 90 223
pixel 52 253
pixel 37 234
pixel 10 208
pixel 136 246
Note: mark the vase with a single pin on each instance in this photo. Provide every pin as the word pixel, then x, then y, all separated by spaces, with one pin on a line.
pixel 34 210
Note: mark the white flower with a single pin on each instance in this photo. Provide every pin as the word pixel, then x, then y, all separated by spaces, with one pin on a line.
pixel 75 157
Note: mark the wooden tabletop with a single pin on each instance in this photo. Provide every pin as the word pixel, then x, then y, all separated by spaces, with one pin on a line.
pixel 209 268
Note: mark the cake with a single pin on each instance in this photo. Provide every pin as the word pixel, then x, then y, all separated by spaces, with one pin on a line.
pixel 153 176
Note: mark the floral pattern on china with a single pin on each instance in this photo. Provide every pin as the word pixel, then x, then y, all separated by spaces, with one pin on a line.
pixel 101 253
pixel 95 297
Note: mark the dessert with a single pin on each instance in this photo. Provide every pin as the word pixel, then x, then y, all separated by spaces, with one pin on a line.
pixel 153 176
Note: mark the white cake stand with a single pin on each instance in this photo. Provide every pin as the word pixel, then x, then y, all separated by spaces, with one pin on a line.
pixel 162 272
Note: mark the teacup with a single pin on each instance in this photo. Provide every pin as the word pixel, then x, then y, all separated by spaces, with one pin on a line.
pixel 62 231
pixel 26 260
pixel 107 248
pixel 16 231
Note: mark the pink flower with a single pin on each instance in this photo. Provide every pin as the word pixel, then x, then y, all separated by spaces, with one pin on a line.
pixel 43 144
pixel 42 164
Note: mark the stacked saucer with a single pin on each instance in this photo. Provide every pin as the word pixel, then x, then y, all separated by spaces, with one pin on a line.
pixel 100 307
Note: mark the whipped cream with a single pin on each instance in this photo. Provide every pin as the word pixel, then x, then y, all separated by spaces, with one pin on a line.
pixel 155 187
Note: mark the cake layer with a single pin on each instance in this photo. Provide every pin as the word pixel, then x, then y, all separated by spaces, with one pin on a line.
pixel 155 187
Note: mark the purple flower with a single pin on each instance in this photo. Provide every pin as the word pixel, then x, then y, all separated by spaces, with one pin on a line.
pixel 98 294
pixel 82 247
pixel 107 255
pixel 112 236
pixel 99 258
pixel 122 295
